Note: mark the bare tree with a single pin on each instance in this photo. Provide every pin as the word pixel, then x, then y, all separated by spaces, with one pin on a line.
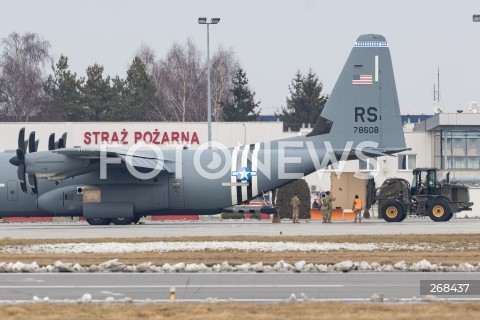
pixel 181 83
pixel 147 55
pixel 22 72
pixel 223 68
pixel 3 100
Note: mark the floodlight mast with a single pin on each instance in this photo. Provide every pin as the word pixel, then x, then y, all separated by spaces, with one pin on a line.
pixel 203 20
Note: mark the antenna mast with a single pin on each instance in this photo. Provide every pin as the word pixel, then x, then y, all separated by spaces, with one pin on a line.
pixel 437 105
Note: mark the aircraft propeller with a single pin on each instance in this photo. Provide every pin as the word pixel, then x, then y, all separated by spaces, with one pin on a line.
pixel 19 159
pixel 51 142
pixel 32 147
pixel 32 144
pixel 59 144
pixel 62 142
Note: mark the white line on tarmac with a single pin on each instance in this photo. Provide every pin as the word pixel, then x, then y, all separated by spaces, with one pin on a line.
pixel 180 286
pixel 141 301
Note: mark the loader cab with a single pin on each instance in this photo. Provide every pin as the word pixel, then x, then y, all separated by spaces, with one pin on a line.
pixel 424 181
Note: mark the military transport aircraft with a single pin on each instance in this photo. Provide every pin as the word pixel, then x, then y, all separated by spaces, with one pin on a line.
pixel 361 119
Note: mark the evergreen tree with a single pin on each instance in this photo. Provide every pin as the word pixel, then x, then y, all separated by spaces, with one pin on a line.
pixel 97 94
pixel 285 194
pixel 117 105
pixel 242 106
pixel 133 98
pixel 305 103
pixel 140 93
pixel 63 99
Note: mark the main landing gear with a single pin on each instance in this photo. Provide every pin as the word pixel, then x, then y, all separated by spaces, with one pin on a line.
pixel 116 221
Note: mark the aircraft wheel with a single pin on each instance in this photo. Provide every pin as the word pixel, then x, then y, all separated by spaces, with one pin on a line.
pixel 98 221
pixel 122 221
pixel 136 219
pixel 439 211
pixel 393 212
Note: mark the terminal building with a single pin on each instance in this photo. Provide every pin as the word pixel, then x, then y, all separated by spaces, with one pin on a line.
pixel 447 141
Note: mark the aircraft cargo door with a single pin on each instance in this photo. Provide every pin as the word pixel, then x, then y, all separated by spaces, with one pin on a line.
pixel 175 193
pixel 12 190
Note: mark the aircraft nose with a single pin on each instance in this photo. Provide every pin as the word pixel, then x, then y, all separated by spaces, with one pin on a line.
pixel 15 161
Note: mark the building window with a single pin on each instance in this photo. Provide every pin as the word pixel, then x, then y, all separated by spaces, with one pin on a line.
pixel 457 149
pixel 367 164
pixel 407 161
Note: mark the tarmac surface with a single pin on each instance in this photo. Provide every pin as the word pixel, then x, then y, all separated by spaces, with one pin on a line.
pixel 81 229
pixel 243 287
pixel 401 287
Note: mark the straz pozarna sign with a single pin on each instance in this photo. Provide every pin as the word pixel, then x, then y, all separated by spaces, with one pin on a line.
pixel 152 137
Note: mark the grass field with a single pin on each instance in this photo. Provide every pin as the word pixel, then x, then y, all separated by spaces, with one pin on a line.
pixel 454 249
pixel 207 311
pixel 446 249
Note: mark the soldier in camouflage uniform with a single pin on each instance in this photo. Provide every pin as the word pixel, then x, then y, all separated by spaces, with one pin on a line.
pixel 295 202
pixel 330 200
pixel 324 208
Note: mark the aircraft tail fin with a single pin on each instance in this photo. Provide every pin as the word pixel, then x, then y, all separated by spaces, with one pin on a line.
pixel 363 105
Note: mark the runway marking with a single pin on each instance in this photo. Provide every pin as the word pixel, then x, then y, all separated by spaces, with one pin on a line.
pixel 139 301
pixel 255 274
pixel 111 293
pixel 179 286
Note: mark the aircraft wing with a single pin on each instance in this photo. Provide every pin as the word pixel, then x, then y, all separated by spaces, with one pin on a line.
pixel 368 152
pixel 147 159
pixel 378 152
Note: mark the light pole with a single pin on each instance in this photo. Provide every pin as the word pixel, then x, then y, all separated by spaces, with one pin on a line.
pixel 476 18
pixel 244 134
pixel 209 115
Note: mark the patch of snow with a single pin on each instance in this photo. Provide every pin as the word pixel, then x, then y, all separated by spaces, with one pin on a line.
pixel 430 298
pixel 291 299
pixel 423 265
pixel 109 300
pixel 401 266
pixel 86 298
pixel 257 246
pixel 466 267
pixel 280 266
pixel 127 300
pixel 377 297
pixel 364 266
pixel 343 266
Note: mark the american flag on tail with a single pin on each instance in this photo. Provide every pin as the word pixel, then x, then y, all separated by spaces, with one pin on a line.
pixel 362 79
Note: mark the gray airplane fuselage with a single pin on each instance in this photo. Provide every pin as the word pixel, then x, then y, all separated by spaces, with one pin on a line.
pixel 360 120
pixel 189 190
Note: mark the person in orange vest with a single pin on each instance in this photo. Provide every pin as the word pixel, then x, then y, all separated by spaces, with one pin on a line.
pixel 357 208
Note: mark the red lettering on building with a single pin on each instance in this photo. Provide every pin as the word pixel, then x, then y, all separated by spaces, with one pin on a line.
pixel 186 137
pixel 138 136
pixel 175 135
pixel 105 135
pixel 165 138
pixel 87 138
pixel 195 138
pixel 155 137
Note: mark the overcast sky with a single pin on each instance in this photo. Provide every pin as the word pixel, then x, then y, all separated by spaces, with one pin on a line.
pixel 272 39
